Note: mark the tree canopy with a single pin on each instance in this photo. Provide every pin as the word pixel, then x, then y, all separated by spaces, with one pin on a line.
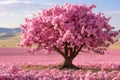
pixel 75 24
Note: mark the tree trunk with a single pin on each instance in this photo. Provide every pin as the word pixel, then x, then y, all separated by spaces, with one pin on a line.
pixel 68 64
pixel 68 58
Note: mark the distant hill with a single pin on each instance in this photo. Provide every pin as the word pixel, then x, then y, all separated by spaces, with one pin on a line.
pixel 8 32
pixel 10 41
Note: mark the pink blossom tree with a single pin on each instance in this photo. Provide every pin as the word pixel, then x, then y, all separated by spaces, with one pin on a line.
pixel 68 29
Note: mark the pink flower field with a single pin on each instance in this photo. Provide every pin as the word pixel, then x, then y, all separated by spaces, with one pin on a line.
pixel 15 64
pixel 19 55
pixel 66 42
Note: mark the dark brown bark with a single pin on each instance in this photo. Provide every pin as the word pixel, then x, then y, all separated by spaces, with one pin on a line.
pixel 68 64
pixel 68 57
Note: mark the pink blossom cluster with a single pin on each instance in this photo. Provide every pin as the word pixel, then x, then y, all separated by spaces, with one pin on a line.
pixel 15 72
pixel 73 23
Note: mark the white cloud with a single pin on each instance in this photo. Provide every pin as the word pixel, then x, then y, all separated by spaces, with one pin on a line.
pixel 113 12
pixel 20 6
pixel 29 15
pixel 1 24
pixel 2 13
pixel 28 12
pixel 47 4
pixel 9 2
pixel 1 8
pixel 27 2
pixel 14 15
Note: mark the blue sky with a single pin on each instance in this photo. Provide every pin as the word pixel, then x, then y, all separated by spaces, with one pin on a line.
pixel 13 12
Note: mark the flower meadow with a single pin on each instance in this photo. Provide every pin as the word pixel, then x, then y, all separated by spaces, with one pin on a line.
pixel 30 71
pixel 68 30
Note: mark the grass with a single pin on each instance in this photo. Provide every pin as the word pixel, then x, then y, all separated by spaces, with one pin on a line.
pixel 10 42
pixel 38 68
pixel 115 45
pixel 35 67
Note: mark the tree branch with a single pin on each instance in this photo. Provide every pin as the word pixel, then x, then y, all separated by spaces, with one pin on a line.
pixel 78 50
pixel 59 51
pixel 72 52
pixel 75 52
pixel 66 48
